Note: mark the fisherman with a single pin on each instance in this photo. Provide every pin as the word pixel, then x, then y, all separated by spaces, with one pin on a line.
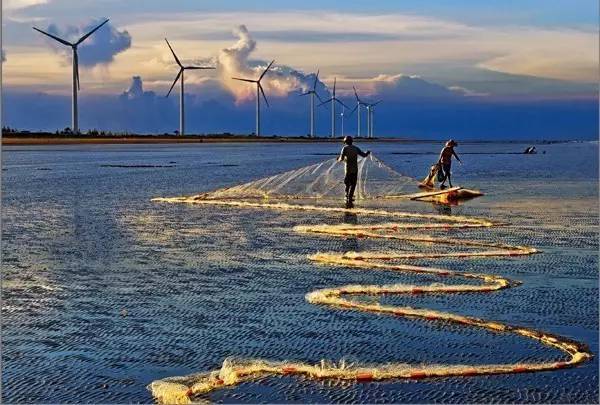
pixel 350 155
pixel 446 161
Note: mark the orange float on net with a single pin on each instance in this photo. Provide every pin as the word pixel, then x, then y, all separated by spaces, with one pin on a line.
pixel 418 375
pixel 417 291
pixel 470 372
pixel 364 377
pixel 288 370
pixel 189 392
pixel 520 369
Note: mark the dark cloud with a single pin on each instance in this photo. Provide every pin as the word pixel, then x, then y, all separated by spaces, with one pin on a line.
pixel 100 48
pixel 3 56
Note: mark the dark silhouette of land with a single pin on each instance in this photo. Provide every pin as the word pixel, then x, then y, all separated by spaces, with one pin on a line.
pixel 16 137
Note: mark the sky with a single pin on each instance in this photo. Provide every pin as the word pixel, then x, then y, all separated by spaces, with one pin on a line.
pixel 465 68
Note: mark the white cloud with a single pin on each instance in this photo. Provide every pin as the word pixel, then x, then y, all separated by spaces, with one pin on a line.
pixel 19 4
pixel 397 43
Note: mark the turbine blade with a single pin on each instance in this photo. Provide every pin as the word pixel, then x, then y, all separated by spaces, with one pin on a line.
pixel 266 70
pixel 356 94
pixel 316 80
pixel 174 81
pixel 173 52
pixel 325 102
pixel 319 97
pixel 305 94
pixel 374 104
pixel 263 94
pixel 86 36
pixel 352 112
pixel 199 67
pixel 340 101
pixel 54 37
pixel 76 60
pixel 334 80
pixel 244 80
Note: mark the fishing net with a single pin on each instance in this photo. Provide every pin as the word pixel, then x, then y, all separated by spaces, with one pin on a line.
pixel 376 180
pixel 322 180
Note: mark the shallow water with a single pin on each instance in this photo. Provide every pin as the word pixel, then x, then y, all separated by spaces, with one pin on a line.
pixel 104 291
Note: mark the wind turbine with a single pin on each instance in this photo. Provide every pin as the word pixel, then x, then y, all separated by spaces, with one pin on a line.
pixel 182 91
pixel 333 100
pixel 259 91
pixel 76 87
pixel 371 117
pixel 359 103
pixel 312 94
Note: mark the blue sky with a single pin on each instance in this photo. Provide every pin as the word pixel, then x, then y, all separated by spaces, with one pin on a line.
pixel 530 54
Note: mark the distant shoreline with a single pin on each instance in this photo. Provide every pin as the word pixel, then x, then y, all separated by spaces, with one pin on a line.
pixel 52 139
pixel 33 138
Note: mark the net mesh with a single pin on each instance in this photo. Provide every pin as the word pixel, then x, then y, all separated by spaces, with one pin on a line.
pixel 323 180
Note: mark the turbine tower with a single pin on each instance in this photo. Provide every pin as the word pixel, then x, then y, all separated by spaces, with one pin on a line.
pixel 371 117
pixel 333 100
pixel 76 87
pixel 259 91
pixel 359 103
pixel 312 94
pixel 182 91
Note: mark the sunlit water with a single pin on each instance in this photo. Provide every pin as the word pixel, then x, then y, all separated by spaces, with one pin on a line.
pixel 105 291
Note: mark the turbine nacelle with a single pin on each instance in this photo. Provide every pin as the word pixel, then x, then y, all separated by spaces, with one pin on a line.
pixel 260 88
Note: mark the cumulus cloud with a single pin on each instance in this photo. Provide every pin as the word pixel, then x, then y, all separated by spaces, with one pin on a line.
pixel 136 90
pixel 398 87
pixel 100 48
pixel 234 61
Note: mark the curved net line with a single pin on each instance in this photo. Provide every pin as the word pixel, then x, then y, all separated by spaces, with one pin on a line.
pixel 235 371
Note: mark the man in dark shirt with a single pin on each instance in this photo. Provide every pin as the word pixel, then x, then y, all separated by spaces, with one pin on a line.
pixel 446 161
pixel 350 154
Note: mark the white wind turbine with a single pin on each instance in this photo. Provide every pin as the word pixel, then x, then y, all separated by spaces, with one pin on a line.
pixel 359 103
pixel 182 91
pixel 259 90
pixel 371 117
pixel 76 87
pixel 333 100
pixel 312 94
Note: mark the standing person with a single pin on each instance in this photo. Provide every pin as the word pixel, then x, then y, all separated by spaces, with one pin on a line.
pixel 446 161
pixel 350 155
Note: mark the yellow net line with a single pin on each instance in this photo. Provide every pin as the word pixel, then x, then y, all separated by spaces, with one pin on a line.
pixel 174 390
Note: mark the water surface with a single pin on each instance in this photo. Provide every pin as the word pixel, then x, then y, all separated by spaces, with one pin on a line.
pixel 104 291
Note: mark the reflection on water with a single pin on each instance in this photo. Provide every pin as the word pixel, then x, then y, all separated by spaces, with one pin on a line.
pixel 82 243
